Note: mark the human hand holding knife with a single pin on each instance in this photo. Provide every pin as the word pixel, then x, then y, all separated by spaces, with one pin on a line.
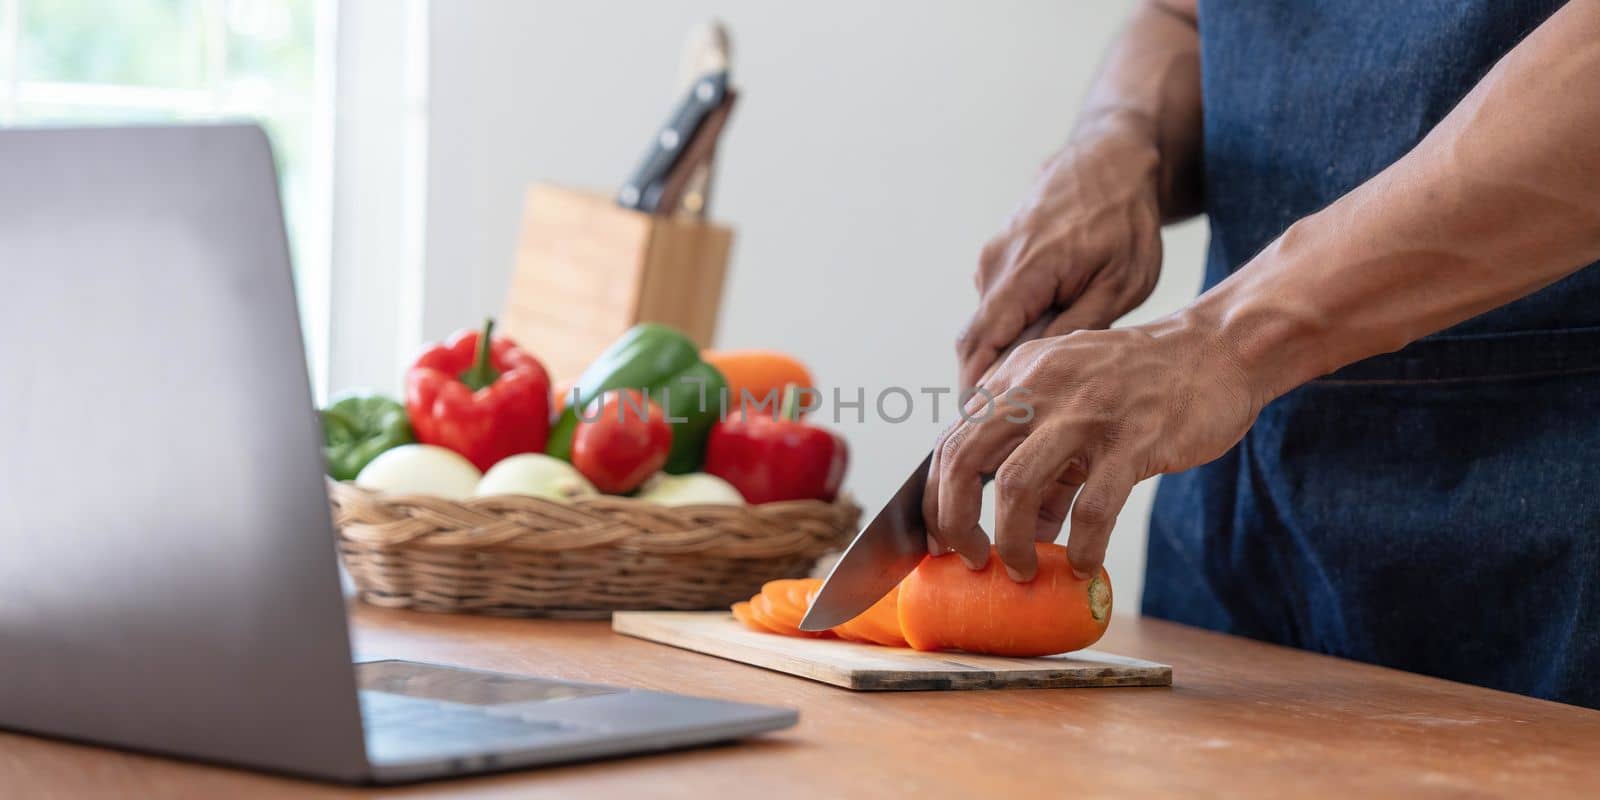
pixel 890 547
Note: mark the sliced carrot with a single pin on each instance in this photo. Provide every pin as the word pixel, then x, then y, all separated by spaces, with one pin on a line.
pixel 787 598
pixel 783 603
pixel 945 606
pixel 799 592
pixel 845 631
pixel 852 633
pixel 761 612
pixel 881 622
pixel 850 636
pixel 782 621
pixel 742 612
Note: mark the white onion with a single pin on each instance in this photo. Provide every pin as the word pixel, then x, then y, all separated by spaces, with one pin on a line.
pixel 421 469
pixel 536 475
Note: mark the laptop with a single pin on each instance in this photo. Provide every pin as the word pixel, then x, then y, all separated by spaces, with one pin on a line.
pixel 167 561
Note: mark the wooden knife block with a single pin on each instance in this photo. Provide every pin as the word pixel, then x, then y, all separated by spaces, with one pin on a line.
pixel 587 270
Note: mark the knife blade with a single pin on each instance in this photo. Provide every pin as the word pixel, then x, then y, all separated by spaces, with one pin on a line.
pixel 886 551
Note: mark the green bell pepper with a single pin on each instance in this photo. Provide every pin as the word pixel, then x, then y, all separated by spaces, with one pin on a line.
pixel 663 362
pixel 357 428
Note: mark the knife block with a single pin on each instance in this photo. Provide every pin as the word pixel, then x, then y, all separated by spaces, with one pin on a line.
pixel 587 270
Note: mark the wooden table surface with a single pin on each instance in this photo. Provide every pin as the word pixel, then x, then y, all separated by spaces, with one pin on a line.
pixel 1241 719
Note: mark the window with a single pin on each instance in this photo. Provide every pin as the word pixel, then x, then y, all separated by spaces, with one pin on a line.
pixel 89 61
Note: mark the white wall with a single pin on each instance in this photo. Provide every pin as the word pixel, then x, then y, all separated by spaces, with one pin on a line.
pixel 875 146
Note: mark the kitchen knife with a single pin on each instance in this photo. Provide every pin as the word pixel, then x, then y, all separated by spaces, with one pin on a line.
pixel 709 49
pixel 668 194
pixel 886 551
pixel 642 190
pixel 893 544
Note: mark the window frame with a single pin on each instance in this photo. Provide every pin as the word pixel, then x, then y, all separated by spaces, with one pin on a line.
pixel 313 245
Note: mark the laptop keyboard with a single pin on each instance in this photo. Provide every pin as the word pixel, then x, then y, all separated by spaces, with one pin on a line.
pixel 431 723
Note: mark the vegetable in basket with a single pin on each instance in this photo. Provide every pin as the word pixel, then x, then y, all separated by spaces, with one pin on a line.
pixel 622 439
pixel 665 364
pixel 693 489
pixel 763 374
pixel 769 460
pixel 481 396
pixel 357 428
pixel 421 469
pixel 536 475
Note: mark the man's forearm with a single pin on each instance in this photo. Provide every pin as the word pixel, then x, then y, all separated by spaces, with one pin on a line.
pixel 1501 199
pixel 1151 80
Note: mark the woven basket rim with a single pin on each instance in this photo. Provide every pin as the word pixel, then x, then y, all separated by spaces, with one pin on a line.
pixel 338 489
pixel 514 554
pixel 521 522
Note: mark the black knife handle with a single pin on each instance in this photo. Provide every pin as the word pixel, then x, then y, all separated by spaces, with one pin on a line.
pixel 642 191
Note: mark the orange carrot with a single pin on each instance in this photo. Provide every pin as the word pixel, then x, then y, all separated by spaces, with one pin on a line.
pixel 844 631
pixel 796 593
pixel 762 373
pixel 761 610
pixel 782 604
pixel 945 606
pixel 742 612
pixel 879 624
pixel 559 398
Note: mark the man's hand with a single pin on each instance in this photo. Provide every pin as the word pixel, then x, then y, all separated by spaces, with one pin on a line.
pixel 1084 246
pixel 1110 408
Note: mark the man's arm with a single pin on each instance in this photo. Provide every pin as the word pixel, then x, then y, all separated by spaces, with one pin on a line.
pixel 1502 198
pixel 1151 78
pixel 1084 246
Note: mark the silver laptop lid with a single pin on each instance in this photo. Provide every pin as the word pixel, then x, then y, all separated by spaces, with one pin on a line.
pixel 167 575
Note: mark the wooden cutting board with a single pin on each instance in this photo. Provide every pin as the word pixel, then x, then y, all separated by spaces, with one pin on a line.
pixel 865 667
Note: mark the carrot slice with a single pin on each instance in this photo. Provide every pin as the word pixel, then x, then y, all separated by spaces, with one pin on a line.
pixel 850 636
pixel 881 622
pixel 845 631
pixel 782 604
pixel 743 613
pixel 786 599
pixel 761 611
pixel 800 591
pixel 784 621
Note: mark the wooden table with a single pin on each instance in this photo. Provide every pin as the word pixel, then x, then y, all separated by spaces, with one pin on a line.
pixel 1242 719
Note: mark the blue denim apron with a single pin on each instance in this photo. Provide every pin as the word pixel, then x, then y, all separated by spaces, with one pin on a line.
pixel 1435 509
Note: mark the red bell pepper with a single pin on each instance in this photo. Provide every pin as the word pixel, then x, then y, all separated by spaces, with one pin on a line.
pixel 769 459
pixel 620 440
pixel 481 396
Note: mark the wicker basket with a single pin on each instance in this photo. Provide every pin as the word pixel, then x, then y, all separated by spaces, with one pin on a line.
pixel 525 556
